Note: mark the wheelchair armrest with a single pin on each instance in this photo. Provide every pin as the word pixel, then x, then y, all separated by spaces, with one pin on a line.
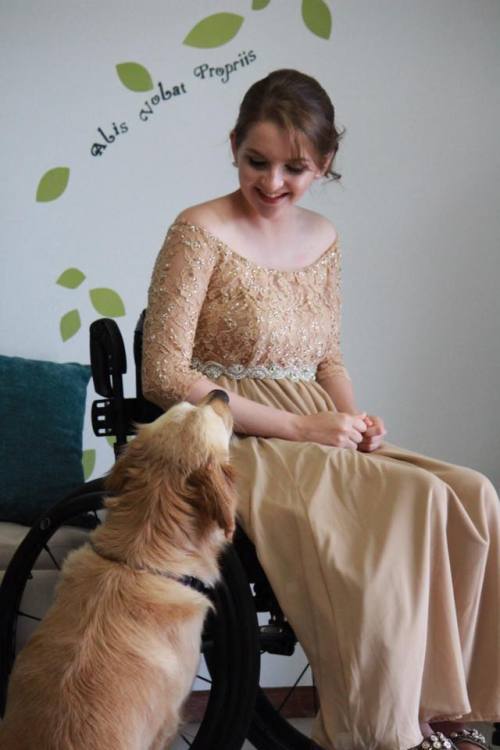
pixel 106 420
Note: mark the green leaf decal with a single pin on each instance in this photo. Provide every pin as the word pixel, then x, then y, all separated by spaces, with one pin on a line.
pixel 215 30
pixel 134 76
pixel 88 463
pixel 53 184
pixel 107 302
pixel 71 278
pixel 260 4
pixel 317 17
pixel 70 324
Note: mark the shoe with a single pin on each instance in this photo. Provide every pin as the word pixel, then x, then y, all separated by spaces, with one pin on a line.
pixel 469 735
pixel 435 741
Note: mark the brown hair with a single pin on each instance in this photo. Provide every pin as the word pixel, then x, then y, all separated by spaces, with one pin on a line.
pixel 297 103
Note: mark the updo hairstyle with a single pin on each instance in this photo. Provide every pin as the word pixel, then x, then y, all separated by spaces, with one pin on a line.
pixel 297 103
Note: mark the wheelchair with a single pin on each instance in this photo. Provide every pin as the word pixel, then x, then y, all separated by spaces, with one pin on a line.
pixel 247 620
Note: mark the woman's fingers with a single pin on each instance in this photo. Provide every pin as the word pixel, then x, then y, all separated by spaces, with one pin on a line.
pixel 370 444
pixel 359 424
pixel 342 430
pixel 372 432
pixel 355 430
pixel 377 429
pixel 356 436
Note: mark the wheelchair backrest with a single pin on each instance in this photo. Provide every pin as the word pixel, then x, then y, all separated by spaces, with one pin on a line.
pixel 115 415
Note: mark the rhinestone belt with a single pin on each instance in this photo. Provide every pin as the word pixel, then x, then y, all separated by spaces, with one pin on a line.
pixel 258 372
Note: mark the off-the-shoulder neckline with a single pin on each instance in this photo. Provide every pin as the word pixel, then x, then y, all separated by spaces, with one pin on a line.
pixel 252 263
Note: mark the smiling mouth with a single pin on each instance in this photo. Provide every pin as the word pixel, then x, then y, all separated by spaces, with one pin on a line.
pixel 271 198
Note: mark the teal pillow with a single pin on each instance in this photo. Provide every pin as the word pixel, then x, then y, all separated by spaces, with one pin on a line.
pixel 42 406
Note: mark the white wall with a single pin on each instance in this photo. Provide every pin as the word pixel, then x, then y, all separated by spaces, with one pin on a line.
pixel 418 91
pixel 416 86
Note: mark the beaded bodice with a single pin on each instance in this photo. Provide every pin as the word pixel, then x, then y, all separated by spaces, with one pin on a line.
pixel 211 311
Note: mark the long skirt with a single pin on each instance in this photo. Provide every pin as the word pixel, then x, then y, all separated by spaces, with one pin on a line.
pixel 386 565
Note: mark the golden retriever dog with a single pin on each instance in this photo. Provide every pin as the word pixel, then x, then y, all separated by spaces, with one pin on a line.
pixel 116 655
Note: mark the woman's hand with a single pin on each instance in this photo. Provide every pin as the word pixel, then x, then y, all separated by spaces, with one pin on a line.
pixel 373 435
pixel 338 429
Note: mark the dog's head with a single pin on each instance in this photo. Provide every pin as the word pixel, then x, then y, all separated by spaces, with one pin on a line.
pixel 181 463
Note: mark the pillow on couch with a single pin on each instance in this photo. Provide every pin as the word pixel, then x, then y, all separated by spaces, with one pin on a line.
pixel 42 406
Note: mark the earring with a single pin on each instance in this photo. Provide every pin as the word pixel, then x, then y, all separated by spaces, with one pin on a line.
pixel 234 164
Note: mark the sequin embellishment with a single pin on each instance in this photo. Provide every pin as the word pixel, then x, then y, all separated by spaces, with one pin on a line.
pixel 208 305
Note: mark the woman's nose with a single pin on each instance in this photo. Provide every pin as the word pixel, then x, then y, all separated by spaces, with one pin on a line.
pixel 273 179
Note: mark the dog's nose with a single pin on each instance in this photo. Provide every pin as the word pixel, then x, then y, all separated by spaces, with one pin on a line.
pixel 218 395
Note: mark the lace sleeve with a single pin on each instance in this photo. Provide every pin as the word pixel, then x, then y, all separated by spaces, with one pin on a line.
pixel 333 364
pixel 178 287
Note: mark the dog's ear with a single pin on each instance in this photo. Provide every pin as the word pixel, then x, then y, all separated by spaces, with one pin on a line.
pixel 215 485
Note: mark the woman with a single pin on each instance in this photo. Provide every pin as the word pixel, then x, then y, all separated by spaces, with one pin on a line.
pixel 394 555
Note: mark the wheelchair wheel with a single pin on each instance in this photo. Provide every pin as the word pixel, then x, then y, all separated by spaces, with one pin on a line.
pixel 270 730
pixel 229 667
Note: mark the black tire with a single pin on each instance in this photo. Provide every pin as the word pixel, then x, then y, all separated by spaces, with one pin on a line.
pixel 271 731
pixel 230 640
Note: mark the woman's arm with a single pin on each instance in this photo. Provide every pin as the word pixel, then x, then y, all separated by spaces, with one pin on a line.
pixel 332 374
pixel 251 418
pixel 340 389
pixel 178 286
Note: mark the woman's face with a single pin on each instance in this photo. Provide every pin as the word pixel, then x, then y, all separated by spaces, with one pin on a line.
pixel 271 176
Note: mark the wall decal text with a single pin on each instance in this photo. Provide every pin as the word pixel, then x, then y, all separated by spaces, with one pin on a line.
pixel 223 72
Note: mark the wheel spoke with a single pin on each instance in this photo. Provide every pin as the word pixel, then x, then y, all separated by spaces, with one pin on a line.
pixel 49 552
pixel 203 679
pixel 30 617
pixel 288 695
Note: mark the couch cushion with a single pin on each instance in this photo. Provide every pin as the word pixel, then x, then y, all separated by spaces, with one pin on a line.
pixel 65 539
pixel 11 536
pixel 42 407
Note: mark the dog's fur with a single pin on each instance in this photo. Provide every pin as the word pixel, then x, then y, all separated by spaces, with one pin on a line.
pixel 116 655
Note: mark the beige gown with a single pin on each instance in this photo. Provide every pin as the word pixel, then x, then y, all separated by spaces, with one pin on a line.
pixel 385 563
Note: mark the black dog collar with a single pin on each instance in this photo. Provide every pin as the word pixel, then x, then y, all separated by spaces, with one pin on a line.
pixel 191 581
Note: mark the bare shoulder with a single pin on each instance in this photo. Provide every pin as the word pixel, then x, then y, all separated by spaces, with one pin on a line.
pixel 321 229
pixel 208 215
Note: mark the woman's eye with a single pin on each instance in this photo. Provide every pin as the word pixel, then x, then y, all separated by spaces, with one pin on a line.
pixel 295 170
pixel 261 164
pixel 256 163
